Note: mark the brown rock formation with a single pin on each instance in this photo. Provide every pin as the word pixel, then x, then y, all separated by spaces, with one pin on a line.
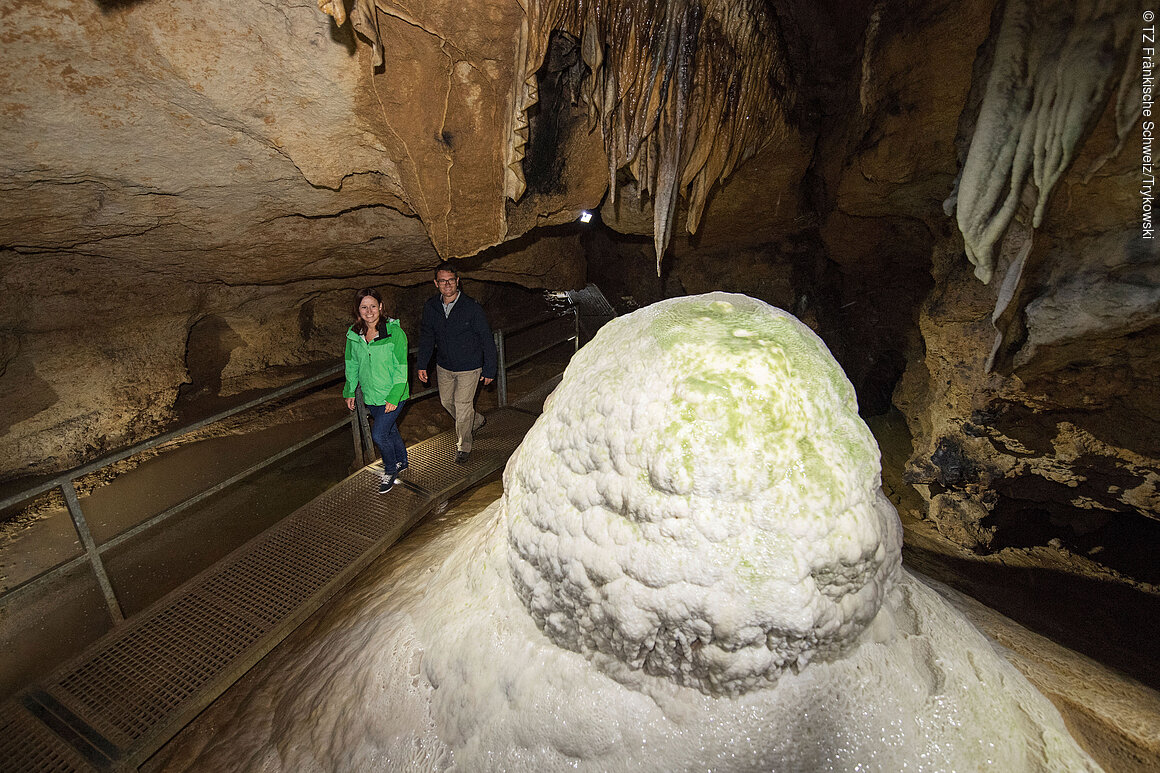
pixel 223 177
pixel 1021 407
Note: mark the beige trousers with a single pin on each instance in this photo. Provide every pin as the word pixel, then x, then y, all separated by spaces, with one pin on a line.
pixel 457 393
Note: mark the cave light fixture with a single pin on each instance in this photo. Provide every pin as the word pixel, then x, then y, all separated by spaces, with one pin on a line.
pixel 585 216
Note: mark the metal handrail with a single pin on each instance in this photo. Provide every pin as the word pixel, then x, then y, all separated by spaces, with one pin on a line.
pixel 145 445
pixel 364 451
pixel 69 564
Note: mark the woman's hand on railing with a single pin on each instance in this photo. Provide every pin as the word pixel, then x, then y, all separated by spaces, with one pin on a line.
pixel 350 403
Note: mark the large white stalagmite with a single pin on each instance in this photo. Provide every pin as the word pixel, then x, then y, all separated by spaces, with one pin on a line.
pixel 692 568
pixel 702 500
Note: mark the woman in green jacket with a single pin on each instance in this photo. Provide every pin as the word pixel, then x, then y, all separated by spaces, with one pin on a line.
pixel 376 360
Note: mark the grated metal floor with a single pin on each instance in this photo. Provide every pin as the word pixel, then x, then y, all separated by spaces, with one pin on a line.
pixel 124 697
pixel 26 743
pixel 595 310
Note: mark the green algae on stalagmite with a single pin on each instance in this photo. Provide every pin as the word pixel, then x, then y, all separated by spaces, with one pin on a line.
pixel 724 430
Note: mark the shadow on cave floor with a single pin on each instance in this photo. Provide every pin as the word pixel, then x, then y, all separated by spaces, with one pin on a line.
pixel 1110 622
pixel 1072 599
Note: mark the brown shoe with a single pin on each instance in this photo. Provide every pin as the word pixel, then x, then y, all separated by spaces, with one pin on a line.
pixel 461 457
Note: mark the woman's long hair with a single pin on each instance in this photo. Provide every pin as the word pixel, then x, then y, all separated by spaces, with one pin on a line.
pixel 360 325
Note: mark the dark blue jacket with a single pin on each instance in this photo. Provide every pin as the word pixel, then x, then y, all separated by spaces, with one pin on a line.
pixel 461 341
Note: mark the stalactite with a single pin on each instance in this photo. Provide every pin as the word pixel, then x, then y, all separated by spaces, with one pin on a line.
pixel 1056 64
pixel 682 91
pixel 362 17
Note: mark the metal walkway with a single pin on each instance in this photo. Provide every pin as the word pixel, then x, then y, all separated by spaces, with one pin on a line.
pixel 594 309
pixel 125 696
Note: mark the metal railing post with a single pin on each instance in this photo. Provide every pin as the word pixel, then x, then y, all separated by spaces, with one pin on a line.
pixel 576 319
pixel 78 518
pixel 501 369
pixel 356 436
pixel 368 444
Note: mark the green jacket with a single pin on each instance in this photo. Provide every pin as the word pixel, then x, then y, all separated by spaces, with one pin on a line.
pixel 379 367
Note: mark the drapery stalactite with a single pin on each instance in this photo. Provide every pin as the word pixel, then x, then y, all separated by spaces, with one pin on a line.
pixel 1056 63
pixel 682 91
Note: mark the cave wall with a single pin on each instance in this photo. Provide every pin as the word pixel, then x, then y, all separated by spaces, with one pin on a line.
pixel 1051 425
pixel 1032 397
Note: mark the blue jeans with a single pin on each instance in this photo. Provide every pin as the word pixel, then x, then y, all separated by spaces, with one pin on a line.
pixel 385 433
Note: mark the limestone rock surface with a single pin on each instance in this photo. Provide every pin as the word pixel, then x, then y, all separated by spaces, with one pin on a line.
pixel 176 168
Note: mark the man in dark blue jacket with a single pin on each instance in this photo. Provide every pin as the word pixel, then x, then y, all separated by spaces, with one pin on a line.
pixel 455 328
